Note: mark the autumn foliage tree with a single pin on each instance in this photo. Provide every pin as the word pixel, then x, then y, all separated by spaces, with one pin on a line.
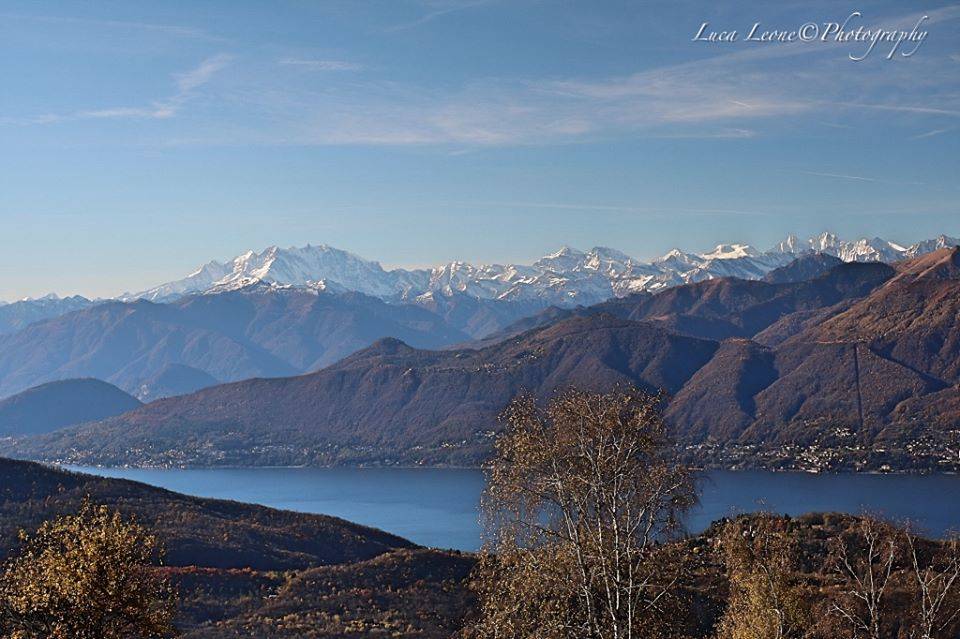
pixel 582 496
pixel 86 576
pixel 766 600
pixel 871 579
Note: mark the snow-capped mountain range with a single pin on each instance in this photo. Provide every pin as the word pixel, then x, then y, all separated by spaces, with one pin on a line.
pixel 566 277
pixel 16 315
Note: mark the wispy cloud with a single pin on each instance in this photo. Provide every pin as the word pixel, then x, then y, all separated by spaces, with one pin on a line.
pixel 902 108
pixel 720 134
pixel 840 176
pixel 158 111
pixel 173 30
pixel 439 9
pixel 724 97
pixel 834 125
pixel 930 134
pixel 186 83
pixel 860 178
pixel 721 97
pixel 199 76
pixel 321 65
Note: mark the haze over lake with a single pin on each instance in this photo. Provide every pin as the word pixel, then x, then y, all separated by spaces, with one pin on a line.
pixel 439 507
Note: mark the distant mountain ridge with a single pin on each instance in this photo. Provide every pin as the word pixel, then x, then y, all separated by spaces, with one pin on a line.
pixel 17 315
pixel 252 332
pixel 267 315
pixel 863 353
pixel 567 277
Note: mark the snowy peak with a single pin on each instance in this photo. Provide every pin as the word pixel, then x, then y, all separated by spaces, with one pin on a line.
pixel 790 245
pixel 677 260
pixel 862 250
pixel 616 264
pixel 730 252
pixel 295 266
pixel 870 250
pixel 824 243
pixel 567 276
pixel 16 315
pixel 929 246
pixel 566 259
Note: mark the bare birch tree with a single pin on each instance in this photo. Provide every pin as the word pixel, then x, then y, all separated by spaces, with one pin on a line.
pixel 581 497
pixel 865 561
pixel 935 570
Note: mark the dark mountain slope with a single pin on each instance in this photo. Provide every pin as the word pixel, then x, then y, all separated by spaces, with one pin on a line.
pixel 617 307
pixel 939 411
pixel 803 268
pixel 795 323
pixel 174 379
pixel 751 394
pixel 476 317
pixel 390 400
pixel 203 532
pixel 549 315
pixel 718 403
pixel 882 366
pixel 839 385
pixel 308 330
pixel 722 308
pixel 406 593
pixel 54 405
pixel 913 319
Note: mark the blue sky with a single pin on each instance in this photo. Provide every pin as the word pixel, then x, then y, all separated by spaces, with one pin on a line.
pixel 140 139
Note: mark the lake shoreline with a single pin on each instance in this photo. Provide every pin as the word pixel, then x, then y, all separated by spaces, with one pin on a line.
pixel 694 468
pixel 439 507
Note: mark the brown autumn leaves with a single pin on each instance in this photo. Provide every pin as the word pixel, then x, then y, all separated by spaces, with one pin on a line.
pixel 86 576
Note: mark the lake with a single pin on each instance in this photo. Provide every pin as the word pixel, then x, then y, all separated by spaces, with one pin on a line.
pixel 438 507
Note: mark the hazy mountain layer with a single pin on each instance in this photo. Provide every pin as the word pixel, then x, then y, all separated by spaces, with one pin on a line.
pixel 54 405
pixel 254 332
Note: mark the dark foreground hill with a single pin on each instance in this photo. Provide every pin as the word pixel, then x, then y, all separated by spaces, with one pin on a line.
pixel 54 405
pixel 250 571
pixel 418 593
pixel 863 357
pixel 204 532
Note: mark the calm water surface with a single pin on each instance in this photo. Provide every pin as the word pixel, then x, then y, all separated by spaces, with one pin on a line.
pixel 438 507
